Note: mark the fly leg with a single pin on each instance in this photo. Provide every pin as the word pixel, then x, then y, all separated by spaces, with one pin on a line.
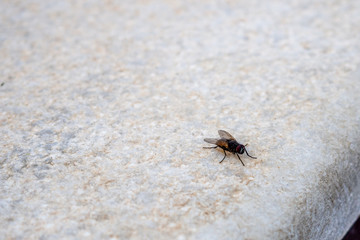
pixel 224 157
pixel 240 160
pixel 249 155
pixel 210 147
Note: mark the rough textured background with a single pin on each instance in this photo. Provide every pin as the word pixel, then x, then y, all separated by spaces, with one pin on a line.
pixel 104 106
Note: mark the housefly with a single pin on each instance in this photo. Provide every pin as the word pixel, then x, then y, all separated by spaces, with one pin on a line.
pixel 228 143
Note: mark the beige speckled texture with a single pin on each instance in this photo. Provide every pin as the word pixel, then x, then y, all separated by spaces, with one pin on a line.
pixel 105 104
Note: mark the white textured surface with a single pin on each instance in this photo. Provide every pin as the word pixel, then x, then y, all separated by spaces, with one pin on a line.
pixel 105 104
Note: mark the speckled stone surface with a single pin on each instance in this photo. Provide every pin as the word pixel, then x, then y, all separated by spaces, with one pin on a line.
pixel 105 104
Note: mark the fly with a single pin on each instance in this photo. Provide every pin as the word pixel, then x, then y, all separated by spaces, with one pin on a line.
pixel 228 143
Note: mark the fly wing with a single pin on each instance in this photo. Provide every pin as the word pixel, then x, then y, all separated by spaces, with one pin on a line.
pixel 210 140
pixel 226 135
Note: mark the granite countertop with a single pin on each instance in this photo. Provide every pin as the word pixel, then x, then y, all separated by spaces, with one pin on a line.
pixel 105 105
